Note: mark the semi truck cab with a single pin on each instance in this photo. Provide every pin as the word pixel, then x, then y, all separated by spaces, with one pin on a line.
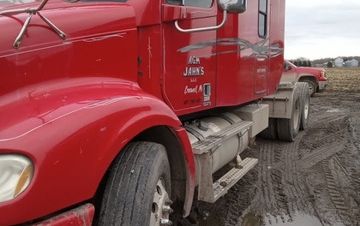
pixel 119 112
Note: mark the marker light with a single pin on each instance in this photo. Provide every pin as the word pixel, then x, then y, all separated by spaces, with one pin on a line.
pixel 15 175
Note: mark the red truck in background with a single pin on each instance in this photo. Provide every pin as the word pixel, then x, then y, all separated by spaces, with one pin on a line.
pixel 116 112
pixel 315 77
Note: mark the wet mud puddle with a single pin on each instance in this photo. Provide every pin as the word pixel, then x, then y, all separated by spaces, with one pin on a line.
pixel 299 219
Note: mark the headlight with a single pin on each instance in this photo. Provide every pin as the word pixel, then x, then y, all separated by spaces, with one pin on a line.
pixel 323 74
pixel 15 175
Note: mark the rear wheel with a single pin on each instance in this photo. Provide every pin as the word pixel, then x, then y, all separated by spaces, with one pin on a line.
pixel 270 132
pixel 287 129
pixel 305 105
pixel 137 191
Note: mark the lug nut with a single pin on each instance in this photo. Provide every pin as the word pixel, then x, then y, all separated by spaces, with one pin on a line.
pixel 167 209
pixel 165 222
pixel 168 202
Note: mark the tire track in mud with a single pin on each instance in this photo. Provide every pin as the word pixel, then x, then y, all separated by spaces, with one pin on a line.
pixel 326 118
pixel 338 180
pixel 272 196
pixel 322 142
pixel 335 193
pixel 295 189
pixel 239 199
pixel 354 129
pixel 319 154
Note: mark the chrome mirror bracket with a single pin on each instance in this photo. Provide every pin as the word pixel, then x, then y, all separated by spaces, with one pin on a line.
pixel 202 28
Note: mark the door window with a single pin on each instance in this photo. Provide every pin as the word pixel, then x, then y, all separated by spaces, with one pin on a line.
pixel 263 18
pixel 194 3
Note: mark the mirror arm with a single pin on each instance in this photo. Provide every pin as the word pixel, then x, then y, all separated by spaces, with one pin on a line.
pixel 202 28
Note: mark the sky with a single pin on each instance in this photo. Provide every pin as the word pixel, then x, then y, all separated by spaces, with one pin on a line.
pixel 322 28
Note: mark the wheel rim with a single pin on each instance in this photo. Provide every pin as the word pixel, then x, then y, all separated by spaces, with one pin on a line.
pixel 160 208
pixel 296 114
pixel 306 109
pixel 311 89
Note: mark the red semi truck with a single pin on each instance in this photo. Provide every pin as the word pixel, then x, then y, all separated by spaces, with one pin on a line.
pixel 118 112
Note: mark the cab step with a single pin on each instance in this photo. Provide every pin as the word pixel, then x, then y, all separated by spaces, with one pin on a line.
pixel 222 185
pixel 208 190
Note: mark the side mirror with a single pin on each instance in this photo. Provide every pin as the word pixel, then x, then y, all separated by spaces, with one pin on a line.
pixel 233 6
pixel 287 67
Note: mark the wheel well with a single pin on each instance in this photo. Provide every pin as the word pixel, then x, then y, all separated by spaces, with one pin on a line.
pixel 165 136
pixel 311 78
pixel 307 77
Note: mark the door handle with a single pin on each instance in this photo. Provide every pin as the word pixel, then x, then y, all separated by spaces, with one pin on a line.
pixel 202 28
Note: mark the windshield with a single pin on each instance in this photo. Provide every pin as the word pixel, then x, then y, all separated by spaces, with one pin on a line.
pixel 291 64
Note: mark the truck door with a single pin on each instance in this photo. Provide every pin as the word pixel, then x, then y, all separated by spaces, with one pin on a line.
pixel 189 56
pixel 243 55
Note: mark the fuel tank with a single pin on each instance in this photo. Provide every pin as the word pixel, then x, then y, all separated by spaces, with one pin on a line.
pixel 199 130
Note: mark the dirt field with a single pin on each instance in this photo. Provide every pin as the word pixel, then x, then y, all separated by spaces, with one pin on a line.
pixel 313 181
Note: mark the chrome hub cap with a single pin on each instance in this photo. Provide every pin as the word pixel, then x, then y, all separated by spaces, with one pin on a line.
pixel 160 209
pixel 311 89
pixel 296 114
pixel 306 109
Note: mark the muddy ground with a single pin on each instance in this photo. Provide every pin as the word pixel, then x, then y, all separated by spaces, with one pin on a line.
pixel 312 181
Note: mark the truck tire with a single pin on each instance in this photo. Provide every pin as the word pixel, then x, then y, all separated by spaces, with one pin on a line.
pixel 137 191
pixel 305 104
pixel 287 129
pixel 312 85
pixel 270 133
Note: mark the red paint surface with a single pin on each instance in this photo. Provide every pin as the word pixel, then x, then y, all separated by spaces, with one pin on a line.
pixel 318 73
pixel 72 130
pixel 81 216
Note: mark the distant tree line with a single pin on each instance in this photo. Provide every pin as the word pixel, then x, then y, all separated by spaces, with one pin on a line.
pixel 327 60
pixel 324 62
pixel 302 62
pixel 329 64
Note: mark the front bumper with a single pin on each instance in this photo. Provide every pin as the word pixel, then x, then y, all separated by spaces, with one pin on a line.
pixel 82 216
pixel 322 85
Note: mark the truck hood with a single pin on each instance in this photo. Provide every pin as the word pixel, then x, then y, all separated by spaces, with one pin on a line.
pixel 94 32
pixel 310 70
pixel 47 74
pixel 71 18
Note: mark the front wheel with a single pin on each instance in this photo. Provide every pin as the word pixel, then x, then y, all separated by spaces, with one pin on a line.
pixel 137 191
pixel 312 86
